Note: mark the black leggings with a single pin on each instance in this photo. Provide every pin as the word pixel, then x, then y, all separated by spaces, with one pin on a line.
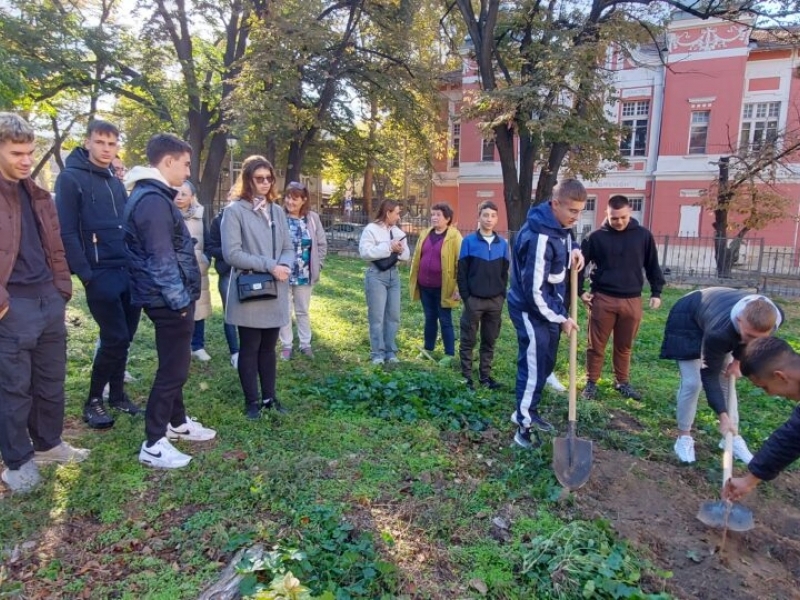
pixel 257 363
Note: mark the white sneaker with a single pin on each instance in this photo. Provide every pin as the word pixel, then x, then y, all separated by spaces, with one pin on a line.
pixel 63 453
pixel 235 360
pixel 554 383
pixel 22 480
pixel 684 448
pixel 201 355
pixel 740 450
pixel 163 455
pixel 192 431
pixel 128 377
pixel 377 361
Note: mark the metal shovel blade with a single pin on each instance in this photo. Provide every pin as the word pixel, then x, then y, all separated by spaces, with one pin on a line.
pixel 572 459
pixel 722 514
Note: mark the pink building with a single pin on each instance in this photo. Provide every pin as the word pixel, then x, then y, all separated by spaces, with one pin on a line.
pixel 724 86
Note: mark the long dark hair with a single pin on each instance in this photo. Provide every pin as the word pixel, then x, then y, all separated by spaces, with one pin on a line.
pixel 244 188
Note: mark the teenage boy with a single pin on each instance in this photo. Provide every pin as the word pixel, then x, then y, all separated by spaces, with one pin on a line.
pixel 543 254
pixel 165 281
pixel 706 332
pixel 35 286
pixel 482 281
pixel 618 253
pixel 771 364
pixel 91 201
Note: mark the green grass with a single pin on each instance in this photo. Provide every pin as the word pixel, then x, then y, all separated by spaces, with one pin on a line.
pixel 386 482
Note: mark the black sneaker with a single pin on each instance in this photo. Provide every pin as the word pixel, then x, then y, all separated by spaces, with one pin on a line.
pixel 273 404
pixel 490 383
pixel 525 438
pixel 125 405
pixel 252 411
pixel 468 384
pixel 95 415
pixel 626 390
pixel 590 391
pixel 541 424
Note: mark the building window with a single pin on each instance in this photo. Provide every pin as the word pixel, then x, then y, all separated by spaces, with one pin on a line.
pixel 591 201
pixel 636 204
pixel 634 126
pixel 487 152
pixel 455 145
pixel 759 125
pixel 698 131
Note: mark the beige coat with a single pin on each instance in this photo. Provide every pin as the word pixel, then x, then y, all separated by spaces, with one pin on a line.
pixel 194 223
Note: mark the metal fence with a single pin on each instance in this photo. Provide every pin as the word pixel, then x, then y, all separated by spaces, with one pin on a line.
pixel 688 261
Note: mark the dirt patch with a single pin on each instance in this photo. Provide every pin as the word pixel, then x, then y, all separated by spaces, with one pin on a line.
pixel 653 505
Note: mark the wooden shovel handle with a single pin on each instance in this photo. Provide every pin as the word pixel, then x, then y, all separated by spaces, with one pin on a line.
pixel 733 414
pixel 573 344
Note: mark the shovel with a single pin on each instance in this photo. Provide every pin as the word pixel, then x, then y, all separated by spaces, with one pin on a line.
pixel 723 514
pixel 572 456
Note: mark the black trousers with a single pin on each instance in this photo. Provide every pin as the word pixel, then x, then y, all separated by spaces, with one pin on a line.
pixel 257 363
pixel 109 299
pixel 173 337
pixel 486 313
pixel 33 365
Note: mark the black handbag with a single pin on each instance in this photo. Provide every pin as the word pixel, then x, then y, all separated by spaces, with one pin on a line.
pixel 254 285
pixel 386 263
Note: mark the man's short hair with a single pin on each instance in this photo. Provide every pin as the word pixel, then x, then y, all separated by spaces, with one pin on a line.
pixel 165 144
pixel 486 204
pixel 101 127
pixel 760 314
pixel 569 190
pixel 618 201
pixel 15 129
pixel 764 356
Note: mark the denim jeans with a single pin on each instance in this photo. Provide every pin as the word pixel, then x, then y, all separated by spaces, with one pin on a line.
pixel 435 316
pixel 382 289
pixel 199 335
pixel 231 336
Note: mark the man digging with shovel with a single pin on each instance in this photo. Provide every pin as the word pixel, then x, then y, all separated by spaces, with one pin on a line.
pixel 771 364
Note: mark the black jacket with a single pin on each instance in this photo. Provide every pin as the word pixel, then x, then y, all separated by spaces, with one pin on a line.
pixel 700 326
pixel 90 203
pixel 213 246
pixel 780 450
pixel 620 259
pixel 162 264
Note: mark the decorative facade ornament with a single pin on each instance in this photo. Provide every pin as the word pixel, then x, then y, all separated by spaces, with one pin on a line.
pixel 710 38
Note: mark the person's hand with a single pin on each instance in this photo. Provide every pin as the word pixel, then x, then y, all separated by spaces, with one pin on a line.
pixel 3 312
pixel 456 295
pixel 569 326
pixel 577 259
pixel 733 369
pixel 281 272
pixel 726 425
pixel 655 303
pixel 586 298
pixel 397 246
pixel 737 488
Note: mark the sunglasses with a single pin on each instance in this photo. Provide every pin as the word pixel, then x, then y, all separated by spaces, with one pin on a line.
pixel 260 180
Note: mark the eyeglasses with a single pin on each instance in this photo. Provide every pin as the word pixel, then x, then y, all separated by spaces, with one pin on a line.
pixel 261 180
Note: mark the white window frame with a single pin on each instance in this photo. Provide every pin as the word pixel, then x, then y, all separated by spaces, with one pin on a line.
pixel 635 116
pixel 698 126
pixel 760 125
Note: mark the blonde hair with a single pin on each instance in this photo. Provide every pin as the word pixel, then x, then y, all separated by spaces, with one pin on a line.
pixel 760 314
pixel 570 190
pixel 15 129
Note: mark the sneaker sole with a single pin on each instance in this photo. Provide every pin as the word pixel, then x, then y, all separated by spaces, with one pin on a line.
pixel 156 464
pixel 100 426
pixel 190 438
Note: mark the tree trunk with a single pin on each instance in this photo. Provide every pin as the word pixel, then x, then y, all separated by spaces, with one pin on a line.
pixel 227 586
pixel 722 253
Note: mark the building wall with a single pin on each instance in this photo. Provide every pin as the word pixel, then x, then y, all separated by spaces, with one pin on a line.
pixel 710 66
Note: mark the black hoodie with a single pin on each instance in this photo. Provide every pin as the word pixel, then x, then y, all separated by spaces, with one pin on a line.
pixel 619 258
pixel 90 202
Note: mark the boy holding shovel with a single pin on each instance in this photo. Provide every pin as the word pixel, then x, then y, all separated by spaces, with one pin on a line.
pixel 771 364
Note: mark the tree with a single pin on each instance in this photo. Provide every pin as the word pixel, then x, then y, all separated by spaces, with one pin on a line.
pixel 543 85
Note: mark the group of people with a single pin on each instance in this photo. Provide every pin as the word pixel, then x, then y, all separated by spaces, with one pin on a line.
pixel 137 242
pixel 143 246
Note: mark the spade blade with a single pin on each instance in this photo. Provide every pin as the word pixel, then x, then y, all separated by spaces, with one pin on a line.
pixel 721 514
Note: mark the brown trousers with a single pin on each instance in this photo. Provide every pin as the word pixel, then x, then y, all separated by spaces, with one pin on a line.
pixel 620 316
